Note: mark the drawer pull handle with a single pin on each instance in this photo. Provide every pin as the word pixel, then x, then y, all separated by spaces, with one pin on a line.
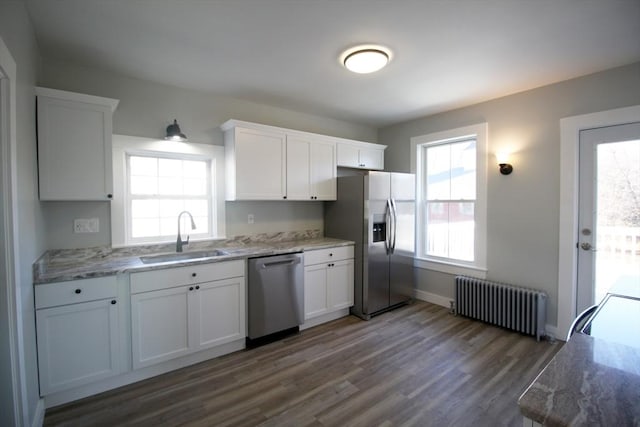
pixel 191 288
pixel 113 301
pixel 78 291
pixel 198 287
pixel 194 274
pixel 330 254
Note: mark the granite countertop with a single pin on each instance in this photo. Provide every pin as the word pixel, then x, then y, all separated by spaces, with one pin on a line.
pixel 71 264
pixel 594 379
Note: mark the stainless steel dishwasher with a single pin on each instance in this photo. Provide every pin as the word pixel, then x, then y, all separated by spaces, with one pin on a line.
pixel 276 294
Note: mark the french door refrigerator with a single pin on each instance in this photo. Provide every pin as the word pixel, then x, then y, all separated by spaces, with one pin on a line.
pixel 377 211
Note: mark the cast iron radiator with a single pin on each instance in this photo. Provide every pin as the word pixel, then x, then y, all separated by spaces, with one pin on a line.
pixel 520 309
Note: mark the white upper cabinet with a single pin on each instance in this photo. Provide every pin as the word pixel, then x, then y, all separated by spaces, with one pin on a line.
pixel 311 169
pixel 270 163
pixel 255 164
pixel 299 169
pixel 74 145
pixel 324 171
pixel 361 155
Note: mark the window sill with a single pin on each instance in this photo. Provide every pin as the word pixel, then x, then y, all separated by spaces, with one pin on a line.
pixel 450 268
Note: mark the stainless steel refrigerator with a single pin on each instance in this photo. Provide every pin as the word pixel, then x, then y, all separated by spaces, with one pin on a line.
pixel 377 211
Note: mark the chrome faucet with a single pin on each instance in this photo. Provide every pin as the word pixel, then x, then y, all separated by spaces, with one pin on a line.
pixel 179 242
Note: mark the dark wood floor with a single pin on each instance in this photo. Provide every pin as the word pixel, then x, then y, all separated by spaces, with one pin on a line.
pixel 414 366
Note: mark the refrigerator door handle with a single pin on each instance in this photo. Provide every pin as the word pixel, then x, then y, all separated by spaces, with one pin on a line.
pixel 394 216
pixel 388 220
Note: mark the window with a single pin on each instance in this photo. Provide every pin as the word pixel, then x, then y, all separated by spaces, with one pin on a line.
pixel 158 189
pixel 451 175
pixel 155 181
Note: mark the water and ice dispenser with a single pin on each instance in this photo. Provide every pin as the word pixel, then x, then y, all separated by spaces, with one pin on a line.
pixel 379 231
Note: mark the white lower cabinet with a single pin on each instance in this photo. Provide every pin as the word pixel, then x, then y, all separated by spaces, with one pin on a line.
pixel 315 291
pixel 95 334
pixel 218 318
pixel 175 313
pixel 340 284
pixel 328 281
pixel 160 325
pixel 78 333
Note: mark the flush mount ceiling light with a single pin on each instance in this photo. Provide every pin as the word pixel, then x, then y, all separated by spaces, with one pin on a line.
pixel 365 59
pixel 174 133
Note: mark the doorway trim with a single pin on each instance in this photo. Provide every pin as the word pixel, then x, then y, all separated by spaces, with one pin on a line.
pixel 570 128
pixel 8 187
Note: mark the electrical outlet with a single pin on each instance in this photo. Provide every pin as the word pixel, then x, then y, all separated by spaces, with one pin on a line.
pixel 94 225
pixel 250 219
pixel 86 225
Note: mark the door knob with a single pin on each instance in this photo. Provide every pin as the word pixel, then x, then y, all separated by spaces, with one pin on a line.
pixel 587 246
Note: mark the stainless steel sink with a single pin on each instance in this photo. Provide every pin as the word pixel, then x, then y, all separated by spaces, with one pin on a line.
pixel 181 256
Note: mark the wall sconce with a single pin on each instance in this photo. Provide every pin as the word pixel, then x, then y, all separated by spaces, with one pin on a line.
pixel 174 133
pixel 503 162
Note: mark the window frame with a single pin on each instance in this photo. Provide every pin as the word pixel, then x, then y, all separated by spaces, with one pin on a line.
pixel 125 146
pixel 477 267
pixel 208 197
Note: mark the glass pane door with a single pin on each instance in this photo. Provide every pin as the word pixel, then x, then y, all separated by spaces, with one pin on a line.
pixel 609 222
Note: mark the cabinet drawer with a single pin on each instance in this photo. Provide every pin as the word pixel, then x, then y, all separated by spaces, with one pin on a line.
pixel 75 291
pixel 170 277
pixel 326 255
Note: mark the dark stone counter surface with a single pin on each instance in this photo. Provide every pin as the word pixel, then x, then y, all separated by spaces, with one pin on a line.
pixel 592 380
pixel 71 264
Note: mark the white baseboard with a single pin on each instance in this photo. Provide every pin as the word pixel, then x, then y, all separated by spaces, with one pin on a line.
pixel 432 298
pixel 325 318
pixel 38 416
pixel 551 331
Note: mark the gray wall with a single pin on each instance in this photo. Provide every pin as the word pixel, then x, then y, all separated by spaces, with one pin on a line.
pixel 146 108
pixel 523 208
pixel 273 216
pixel 17 33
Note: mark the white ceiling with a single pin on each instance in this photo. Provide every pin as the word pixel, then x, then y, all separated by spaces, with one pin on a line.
pixel 447 53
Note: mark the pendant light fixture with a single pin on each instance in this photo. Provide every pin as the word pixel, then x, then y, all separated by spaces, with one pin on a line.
pixel 174 133
pixel 365 59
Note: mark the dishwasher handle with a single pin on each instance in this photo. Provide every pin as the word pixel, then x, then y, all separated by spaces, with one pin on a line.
pixel 290 261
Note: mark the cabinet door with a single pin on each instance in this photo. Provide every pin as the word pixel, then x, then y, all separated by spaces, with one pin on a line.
pixel 259 165
pixel 77 344
pixel 354 156
pixel 348 156
pixel 340 285
pixel 219 317
pixel 323 171
pixel 371 159
pixel 74 150
pixel 160 325
pixel 315 291
pixel 299 169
